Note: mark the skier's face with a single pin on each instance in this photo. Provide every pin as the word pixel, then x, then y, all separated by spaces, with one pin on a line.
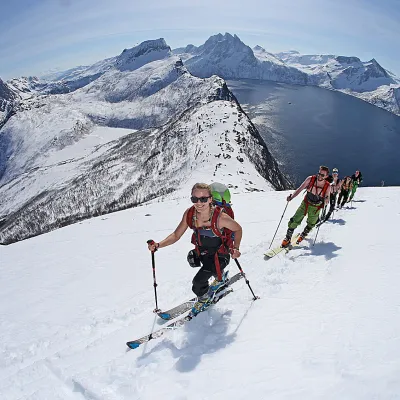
pixel 322 175
pixel 202 199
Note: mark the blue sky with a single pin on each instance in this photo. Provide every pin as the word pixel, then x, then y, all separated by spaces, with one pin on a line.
pixel 38 36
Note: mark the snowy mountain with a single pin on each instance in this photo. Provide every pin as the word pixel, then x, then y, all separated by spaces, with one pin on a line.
pixel 75 78
pixel 264 55
pixel 340 72
pixel 103 147
pixel 228 57
pixel 368 80
pixel 325 327
pixel 383 97
pixel 7 99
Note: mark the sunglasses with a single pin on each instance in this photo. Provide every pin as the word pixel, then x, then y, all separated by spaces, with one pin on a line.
pixel 323 175
pixel 203 199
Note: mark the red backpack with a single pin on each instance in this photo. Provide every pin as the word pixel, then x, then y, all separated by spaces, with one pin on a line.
pixel 226 235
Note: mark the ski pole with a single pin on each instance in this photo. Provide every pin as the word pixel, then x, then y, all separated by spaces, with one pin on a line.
pixel 153 264
pixel 246 280
pixel 316 234
pixel 319 227
pixel 279 224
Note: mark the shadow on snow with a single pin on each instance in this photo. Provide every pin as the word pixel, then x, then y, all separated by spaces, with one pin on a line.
pixel 338 221
pixel 326 249
pixel 206 334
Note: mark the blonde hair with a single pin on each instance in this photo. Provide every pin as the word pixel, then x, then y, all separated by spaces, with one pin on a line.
pixel 200 186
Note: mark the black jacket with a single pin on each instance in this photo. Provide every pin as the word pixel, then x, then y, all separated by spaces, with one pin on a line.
pixel 357 179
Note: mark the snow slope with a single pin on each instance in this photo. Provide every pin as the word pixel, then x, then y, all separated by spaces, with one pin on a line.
pixel 326 326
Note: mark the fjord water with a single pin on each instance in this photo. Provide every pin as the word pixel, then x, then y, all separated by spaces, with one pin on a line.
pixel 305 127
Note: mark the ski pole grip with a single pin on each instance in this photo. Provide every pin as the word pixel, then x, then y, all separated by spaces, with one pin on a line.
pixel 151 242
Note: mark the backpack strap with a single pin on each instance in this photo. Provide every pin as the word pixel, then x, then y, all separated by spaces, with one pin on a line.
pixel 190 220
pixel 225 234
pixel 312 182
pixel 325 188
pixel 190 217
pixel 310 186
pixel 214 221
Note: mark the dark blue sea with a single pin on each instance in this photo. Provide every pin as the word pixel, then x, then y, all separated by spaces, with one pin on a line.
pixel 305 127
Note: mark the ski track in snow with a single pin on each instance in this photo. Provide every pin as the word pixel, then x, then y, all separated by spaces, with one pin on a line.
pixel 326 326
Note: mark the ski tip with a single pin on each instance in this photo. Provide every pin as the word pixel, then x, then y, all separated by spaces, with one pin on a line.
pixel 164 315
pixel 133 345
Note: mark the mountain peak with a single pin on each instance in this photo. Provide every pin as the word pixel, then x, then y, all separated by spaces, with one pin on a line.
pixel 347 60
pixel 377 70
pixel 258 48
pixel 145 52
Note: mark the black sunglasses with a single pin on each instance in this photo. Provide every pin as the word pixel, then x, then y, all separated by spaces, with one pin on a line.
pixel 203 199
pixel 319 173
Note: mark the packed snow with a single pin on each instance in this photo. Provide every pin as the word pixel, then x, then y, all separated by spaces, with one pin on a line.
pixel 326 325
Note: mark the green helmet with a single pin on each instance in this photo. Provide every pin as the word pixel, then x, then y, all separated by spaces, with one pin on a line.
pixel 220 192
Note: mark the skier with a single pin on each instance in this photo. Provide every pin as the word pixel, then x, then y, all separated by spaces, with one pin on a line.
pixel 335 187
pixel 212 258
pixel 345 189
pixel 356 179
pixel 318 191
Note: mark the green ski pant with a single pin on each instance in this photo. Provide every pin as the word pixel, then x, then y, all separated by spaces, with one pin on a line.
pixel 353 191
pixel 312 216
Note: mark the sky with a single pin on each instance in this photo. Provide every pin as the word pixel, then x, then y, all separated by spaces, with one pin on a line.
pixel 40 36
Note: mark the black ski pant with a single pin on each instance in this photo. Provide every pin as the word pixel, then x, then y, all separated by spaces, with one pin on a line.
pixel 343 196
pixel 200 281
pixel 332 202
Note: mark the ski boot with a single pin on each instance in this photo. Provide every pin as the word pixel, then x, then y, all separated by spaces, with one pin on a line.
pixel 217 285
pixel 300 239
pixel 303 234
pixel 202 303
pixel 288 238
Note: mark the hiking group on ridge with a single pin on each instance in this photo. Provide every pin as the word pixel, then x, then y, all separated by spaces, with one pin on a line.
pixel 217 236
pixel 321 192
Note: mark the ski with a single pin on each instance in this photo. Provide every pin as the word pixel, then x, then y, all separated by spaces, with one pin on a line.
pixel 273 252
pixel 134 344
pixel 186 306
